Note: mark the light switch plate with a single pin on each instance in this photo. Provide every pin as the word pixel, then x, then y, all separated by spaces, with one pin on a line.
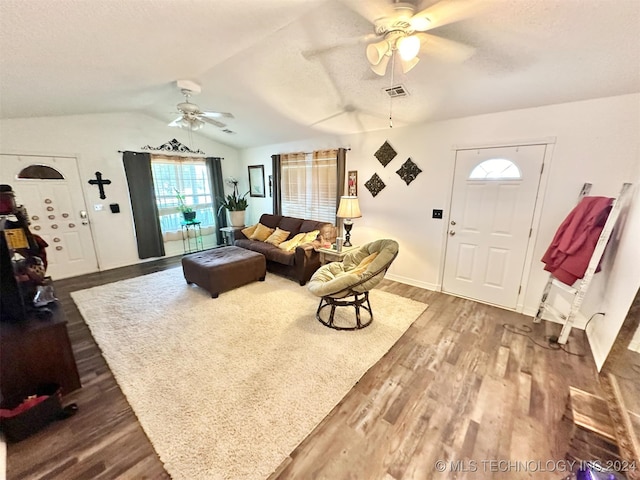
pixel 97 207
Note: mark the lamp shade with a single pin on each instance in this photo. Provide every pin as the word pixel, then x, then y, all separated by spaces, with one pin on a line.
pixel 409 47
pixel 377 51
pixel 349 208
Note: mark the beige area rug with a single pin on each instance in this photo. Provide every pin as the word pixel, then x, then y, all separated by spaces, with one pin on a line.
pixel 226 388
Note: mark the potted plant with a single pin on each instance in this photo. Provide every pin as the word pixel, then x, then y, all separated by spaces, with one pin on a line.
pixel 188 212
pixel 235 204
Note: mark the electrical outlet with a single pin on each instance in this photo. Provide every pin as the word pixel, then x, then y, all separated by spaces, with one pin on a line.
pixel 436 214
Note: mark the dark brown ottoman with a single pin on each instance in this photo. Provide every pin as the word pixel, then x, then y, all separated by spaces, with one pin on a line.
pixel 224 268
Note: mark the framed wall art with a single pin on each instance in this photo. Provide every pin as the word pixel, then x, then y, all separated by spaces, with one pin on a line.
pixel 352 183
pixel 256 181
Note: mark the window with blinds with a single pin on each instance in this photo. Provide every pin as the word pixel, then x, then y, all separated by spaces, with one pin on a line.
pixel 191 177
pixel 309 185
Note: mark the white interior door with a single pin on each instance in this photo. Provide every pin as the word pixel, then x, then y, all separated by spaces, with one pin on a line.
pixel 492 205
pixel 56 210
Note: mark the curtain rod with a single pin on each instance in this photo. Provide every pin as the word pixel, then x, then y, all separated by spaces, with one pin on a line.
pixel 310 153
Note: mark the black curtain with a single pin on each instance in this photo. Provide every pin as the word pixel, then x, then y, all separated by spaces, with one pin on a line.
pixel 277 177
pixel 214 165
pixel 137 167
pixel 340 178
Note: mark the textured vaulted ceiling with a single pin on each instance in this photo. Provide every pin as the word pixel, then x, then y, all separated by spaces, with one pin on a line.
pixel 292 69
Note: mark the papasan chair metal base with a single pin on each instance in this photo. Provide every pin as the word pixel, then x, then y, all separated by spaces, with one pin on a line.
pixel 360 300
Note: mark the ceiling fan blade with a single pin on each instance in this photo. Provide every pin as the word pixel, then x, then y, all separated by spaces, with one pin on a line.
pixel 216 114
pixel 450 11
pixel 348 42
pixel 211 121
pixel 444 49
pixel 176 122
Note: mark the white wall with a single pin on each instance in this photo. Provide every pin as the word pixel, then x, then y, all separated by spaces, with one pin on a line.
pixel 95 140
pixel 595 141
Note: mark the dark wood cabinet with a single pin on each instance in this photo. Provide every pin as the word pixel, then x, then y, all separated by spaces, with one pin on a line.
pixel 36 351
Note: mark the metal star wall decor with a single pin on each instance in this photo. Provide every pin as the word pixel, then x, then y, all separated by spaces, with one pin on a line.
pixel 374 184
pixel 385 153
pixel 408 171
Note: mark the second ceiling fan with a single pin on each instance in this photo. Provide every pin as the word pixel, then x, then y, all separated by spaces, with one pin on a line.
pixel 191 116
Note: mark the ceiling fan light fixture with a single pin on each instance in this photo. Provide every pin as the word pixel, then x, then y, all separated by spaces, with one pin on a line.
pixel 408 64
pixel 377 51
pixel 381 68
pixel 408 47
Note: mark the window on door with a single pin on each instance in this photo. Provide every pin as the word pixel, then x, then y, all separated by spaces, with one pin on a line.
pixel 309 185
pixel 190 177
pixel 496 169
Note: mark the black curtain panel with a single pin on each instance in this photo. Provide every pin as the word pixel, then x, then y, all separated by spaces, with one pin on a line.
pixel 277 177
pixel 214 164
pixel 342 165
pixel 137 167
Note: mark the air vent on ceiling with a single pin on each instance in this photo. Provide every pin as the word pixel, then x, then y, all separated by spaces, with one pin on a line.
pixel 230 132
pixel 396 91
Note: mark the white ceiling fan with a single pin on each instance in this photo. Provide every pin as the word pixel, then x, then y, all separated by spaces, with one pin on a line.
pixel 191 116
pixel 401 28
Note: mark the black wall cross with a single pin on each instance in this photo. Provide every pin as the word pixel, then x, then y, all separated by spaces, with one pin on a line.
pixel 101 183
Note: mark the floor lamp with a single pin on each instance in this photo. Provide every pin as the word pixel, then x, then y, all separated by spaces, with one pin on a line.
pixel 348 209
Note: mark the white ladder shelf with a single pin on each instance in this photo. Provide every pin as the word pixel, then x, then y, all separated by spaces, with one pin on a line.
pixel 579 293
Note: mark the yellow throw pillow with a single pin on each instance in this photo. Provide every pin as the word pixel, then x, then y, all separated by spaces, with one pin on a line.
pixel 310 236
pixel 291 244
pixel 261 233
pixel 364 264
pixel 277 237
pixel 249 230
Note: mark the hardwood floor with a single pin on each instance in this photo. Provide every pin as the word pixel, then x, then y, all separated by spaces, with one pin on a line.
pixel 456 386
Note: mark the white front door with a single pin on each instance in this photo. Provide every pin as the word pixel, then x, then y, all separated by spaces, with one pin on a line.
pixel 492 203
pixel 56 210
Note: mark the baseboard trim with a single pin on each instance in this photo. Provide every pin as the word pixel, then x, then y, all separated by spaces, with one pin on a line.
pixel 412 282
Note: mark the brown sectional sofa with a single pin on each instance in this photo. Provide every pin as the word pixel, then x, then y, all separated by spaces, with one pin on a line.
pixel 299 264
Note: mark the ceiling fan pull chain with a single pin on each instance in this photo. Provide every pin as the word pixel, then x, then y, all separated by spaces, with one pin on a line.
pixel 393 67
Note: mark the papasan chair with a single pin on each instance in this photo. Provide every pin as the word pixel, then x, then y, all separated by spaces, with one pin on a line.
pixel 347 283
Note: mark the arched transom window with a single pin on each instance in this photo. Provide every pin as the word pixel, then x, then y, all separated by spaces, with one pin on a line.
pixel 496 169
pixel 40 172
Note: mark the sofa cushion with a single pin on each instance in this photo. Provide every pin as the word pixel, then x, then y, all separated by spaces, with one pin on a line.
pixel 277 237
pixel 249 230
pixel 290 224
pixel 310 236
pixel 280 256
pixel 291 244
pixel 271 252
pixel 310 225
pixel 270 220
pixel 261 233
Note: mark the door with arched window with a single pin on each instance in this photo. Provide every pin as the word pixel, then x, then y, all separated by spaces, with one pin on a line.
pixel 50 190
pixel 492 206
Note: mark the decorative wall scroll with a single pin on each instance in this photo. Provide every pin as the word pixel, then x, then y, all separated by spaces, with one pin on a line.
pixel 408 171
pixel 385 153
pixel 374 184
pixel 352 183
pixel 173 146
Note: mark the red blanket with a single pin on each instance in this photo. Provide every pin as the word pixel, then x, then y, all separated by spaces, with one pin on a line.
pixel 568 256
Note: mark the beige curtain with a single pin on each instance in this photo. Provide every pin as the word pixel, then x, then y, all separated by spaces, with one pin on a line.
pixel 309 185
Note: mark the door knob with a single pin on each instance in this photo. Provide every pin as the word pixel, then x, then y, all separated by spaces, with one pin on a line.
pixel 453 222
pixel 452 232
